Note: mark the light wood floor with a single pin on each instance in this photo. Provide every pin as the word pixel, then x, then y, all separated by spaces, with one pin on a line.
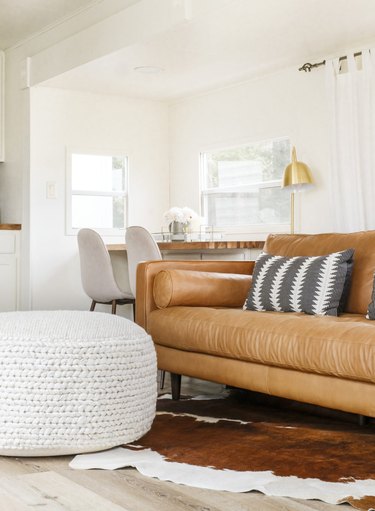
pixel 48 484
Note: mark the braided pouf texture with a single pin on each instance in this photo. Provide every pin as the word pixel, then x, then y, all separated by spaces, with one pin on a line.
pixel 73 382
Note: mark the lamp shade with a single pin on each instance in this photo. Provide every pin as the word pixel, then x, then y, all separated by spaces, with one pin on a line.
pixel 296 174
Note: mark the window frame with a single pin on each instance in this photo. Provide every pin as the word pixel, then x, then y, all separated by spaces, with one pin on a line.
pixel 204 192
pixel 69 229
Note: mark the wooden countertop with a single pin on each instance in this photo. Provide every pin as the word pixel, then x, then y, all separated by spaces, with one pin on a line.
pixel 10 227
pixel 197 245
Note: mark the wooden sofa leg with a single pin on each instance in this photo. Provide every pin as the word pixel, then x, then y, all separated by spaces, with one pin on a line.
pixel 176 386
pixel 362 420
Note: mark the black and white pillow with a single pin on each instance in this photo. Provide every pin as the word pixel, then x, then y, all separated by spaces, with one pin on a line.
pixel 371 307
pixel 313 285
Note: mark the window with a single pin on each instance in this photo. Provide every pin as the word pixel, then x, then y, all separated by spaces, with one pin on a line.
pixel 97 192
pixel 240 186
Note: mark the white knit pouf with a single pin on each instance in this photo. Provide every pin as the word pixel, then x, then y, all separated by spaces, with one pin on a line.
pixel 73 382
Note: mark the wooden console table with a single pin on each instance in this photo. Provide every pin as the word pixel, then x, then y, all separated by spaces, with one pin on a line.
pixel 199 246
pixel 205 250
pixel 188 250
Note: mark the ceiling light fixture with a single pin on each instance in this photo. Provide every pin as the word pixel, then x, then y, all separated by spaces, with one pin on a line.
pixel 149 70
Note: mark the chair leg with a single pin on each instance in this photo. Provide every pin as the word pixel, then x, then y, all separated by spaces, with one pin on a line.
pixel 93 303
pixel 162 379
pixel 134 311
pixel 114 306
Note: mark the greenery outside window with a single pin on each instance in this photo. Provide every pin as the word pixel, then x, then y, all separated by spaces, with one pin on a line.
pixel 97 192
pixel 240 186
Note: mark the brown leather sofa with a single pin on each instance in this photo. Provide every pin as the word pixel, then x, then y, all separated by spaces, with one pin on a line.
pixel 200 329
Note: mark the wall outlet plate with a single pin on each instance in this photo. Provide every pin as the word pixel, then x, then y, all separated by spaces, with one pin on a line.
pixel 51 190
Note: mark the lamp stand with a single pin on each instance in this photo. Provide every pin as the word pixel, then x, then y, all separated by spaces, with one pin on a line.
pixel 296 175
pixel 292 212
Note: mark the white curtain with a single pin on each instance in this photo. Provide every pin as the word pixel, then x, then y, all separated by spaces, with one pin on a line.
pixel 352 111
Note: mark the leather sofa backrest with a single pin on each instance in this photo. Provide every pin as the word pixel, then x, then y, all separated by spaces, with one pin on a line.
pixel 290 245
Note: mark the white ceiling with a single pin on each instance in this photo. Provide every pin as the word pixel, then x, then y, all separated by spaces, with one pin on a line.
pixel 19 19
pixel 238 41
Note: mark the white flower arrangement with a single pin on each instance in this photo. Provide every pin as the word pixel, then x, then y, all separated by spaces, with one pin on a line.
pixel 183 215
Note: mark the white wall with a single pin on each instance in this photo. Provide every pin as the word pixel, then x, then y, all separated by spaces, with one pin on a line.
pixel 63 118
pixel 289 103
pixel 45 56
pixel 14 172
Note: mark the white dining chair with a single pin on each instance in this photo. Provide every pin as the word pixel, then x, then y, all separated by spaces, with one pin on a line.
pixel 97 276
pixel 140 246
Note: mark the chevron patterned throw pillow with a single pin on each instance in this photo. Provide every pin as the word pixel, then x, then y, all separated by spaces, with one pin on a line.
pixel 371 306
pixel 314 285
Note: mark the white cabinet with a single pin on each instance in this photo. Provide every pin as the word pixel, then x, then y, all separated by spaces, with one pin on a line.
pixel 2 85
pixel 8 279
pixel 9 270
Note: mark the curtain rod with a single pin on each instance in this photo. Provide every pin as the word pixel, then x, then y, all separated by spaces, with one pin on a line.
pixel 308 67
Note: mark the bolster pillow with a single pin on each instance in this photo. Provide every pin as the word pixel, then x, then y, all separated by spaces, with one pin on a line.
pixel 200 288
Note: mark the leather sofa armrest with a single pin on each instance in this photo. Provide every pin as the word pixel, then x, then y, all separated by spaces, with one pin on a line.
pixel 200 289
pixel 147 271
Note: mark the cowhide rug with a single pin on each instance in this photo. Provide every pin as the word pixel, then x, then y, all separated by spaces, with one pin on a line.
pixel 236 445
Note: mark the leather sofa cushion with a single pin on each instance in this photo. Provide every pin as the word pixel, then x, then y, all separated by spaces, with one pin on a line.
pixel 338 346
pixel 363 244
pixel 196 288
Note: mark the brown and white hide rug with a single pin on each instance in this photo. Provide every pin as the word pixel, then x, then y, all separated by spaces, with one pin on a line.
pixel 236 445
